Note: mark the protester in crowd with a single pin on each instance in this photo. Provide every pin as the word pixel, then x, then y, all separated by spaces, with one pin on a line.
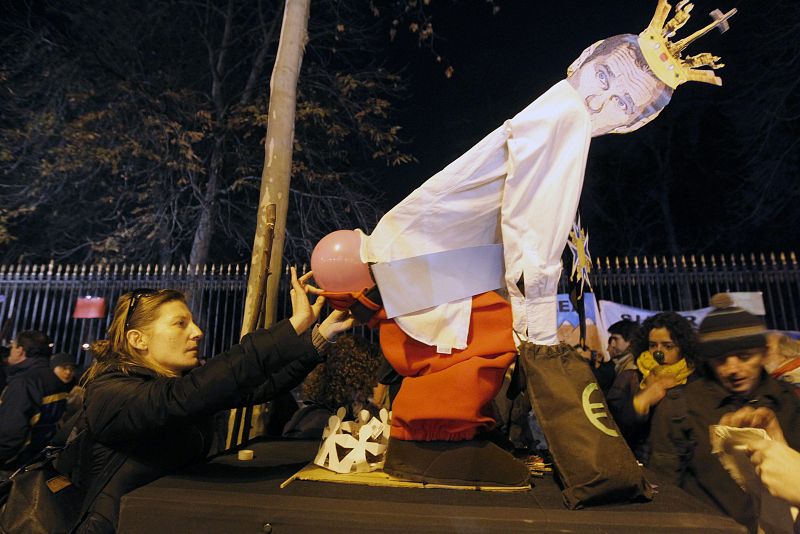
pixel 666 354
pixel 622 334
pixel 620 341
pixel 783 358
pixel 603 370
pixel 619 354
pixel 149 404
pixel 732 349
pixel 32 401
pixel 347 379
pixel 776 463
pixel 4 352
pixel 65 368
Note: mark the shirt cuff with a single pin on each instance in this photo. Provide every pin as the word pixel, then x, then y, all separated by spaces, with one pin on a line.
pixel 319 341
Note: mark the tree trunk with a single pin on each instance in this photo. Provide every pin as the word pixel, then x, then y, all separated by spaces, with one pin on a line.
pixel 202 235
pixel 257 278
pixel 164 246
pixel 280 136
pixel 217 62
pixel 275 180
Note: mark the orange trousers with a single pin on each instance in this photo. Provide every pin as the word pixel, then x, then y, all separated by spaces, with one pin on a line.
pixel 448 396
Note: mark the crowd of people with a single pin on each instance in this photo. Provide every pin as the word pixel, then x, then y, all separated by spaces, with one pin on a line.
pixel 148 406
pixel 40 389
pixel 672 383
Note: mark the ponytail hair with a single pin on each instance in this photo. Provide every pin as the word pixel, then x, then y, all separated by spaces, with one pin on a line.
pixel 115 351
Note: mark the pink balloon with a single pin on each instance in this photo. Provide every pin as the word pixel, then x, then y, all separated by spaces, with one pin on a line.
pixel 337 264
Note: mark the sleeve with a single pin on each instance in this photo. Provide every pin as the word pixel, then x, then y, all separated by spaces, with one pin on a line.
pixel 282 381
pixel 620 402
pixel 126 407
pixel 17 405
pixel 458 207
pixel 604 374
pixel 547 150
pixel 791 425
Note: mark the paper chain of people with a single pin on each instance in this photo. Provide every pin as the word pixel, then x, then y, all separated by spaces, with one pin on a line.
pixel 499 216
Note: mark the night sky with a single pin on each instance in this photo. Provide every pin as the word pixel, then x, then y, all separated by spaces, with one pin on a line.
pixel 716 172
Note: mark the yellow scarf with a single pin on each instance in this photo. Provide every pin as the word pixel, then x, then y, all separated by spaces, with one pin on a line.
pixel 647 364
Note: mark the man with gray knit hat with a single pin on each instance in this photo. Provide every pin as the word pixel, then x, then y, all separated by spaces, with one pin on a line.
pixel 733 344
pixel 732 348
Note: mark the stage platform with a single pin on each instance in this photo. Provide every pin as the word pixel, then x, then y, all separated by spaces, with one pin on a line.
pixel 230 496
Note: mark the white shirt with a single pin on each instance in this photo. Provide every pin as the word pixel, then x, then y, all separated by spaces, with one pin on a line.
pixel 519 186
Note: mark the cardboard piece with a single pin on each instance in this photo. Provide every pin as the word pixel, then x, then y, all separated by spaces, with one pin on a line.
pixel 315 473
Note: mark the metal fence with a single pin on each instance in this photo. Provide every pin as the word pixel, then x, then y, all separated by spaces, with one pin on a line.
pixel 43 297
pixel 688 282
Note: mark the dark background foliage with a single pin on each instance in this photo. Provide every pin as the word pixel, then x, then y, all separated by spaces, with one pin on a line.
pixel 127 128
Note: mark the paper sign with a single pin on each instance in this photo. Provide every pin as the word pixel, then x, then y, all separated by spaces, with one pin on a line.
pixel 89 308
pixel 752 301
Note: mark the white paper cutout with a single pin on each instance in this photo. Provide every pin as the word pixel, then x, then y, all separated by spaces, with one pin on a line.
pixel 359 437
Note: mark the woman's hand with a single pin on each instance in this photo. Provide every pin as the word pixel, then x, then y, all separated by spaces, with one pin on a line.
pixel 304 314
pixel 749 417
pixel 655 389
pixel 336 323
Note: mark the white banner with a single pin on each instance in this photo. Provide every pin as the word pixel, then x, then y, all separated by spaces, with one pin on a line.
pixel 603 313
pixel 752 301
pixel 613 312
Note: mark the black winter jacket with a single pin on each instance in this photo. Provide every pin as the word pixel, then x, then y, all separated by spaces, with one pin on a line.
pixel 642 432
pixel 162 424
pixel 31 405
pixel 685 455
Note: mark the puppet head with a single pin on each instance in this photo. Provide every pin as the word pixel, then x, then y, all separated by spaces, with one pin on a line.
pixel 626 80
pixel 620 91
pixel 336 262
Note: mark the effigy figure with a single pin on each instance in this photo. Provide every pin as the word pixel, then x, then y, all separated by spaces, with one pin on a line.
pixel 499 217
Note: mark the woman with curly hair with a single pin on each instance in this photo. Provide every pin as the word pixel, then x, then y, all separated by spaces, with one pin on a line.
pixel 666 349
pixel 347 379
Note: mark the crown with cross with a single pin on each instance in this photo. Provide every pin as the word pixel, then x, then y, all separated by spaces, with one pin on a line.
pixel 664 56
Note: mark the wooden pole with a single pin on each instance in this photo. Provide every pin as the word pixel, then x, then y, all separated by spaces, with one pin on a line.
pixel 273 201
pixel 259 272
pixel 280 134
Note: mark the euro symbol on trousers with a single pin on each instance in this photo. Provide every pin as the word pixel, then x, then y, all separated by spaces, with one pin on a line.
pixel 594 417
